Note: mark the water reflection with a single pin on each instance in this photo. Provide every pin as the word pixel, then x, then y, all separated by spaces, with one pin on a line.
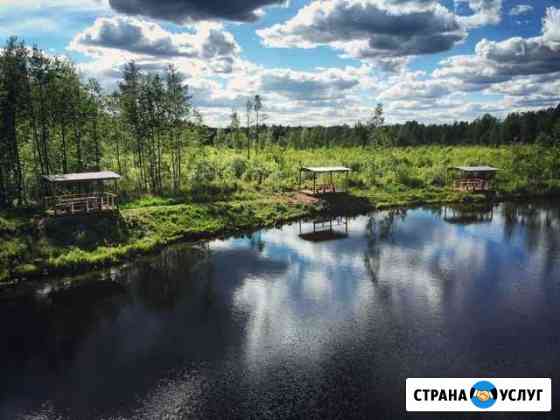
pixel 325 229
pixel 466 216
pixel 285 322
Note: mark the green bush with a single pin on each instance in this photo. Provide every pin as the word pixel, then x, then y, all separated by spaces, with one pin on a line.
pixel 238 166
pixel 204 172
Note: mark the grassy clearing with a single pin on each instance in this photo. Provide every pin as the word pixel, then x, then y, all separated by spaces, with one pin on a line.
pixel 231 194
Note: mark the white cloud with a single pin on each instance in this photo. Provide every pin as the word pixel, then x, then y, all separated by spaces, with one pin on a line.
pixel 417 89
pixel 551 28
pixel 369 29
pixel 521 9
pixel 385 34
pixel 496 62
pixel 203 50
pixel 485 12
pixel 136 36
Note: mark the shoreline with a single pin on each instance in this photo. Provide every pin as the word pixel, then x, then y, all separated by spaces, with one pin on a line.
pixel 201 222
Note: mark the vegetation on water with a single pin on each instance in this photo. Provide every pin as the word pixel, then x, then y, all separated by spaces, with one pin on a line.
pixel 184 180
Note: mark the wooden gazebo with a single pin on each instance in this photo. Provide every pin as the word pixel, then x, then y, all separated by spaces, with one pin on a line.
pixel 473 178
pixel 325 187
pixel 80 193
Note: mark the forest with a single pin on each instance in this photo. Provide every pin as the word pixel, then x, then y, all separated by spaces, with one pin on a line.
pixel 53 121
pixel 184 180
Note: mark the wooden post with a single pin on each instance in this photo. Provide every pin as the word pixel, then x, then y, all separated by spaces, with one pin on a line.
pixel 55 199
pixel 314 183
pixel 116 194
pixel 44 191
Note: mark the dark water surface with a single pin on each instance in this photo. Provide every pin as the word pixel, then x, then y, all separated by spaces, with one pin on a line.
pixel 283 325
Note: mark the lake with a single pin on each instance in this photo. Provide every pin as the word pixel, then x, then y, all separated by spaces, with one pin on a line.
pixel 315 320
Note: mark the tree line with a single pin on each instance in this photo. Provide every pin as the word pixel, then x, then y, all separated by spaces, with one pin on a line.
pixel 541 127
pixel 53 121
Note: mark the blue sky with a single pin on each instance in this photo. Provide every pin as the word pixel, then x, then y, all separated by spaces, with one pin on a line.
pixel 316 61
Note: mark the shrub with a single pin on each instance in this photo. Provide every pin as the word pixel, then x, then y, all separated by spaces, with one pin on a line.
pixel 204 172
pixel 237 167
pixel 256 173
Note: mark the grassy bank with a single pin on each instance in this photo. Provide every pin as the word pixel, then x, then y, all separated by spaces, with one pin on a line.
pixel 42 246
pixel 237 195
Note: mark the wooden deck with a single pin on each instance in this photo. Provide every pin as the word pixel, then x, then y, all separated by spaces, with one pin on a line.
pixel 472 185
pixel 71 204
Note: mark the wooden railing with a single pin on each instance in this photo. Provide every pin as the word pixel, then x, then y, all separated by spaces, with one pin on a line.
pixel 81 203
pixel 472 184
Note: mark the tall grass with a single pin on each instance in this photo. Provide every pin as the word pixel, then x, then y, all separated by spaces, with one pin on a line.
pixel 226 174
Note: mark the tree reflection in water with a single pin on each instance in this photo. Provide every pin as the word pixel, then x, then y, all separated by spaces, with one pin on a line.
pixel 160 282
pixel 379 228
pixel 537 225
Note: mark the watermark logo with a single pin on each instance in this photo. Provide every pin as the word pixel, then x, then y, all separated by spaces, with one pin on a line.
pixel 479 394
pixel 484 394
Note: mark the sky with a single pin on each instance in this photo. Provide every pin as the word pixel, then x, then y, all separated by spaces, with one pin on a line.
pixel 315 62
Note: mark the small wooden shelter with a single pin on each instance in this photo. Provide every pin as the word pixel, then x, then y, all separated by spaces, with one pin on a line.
pixel 325 187
pixel 80 193
pixel 473 178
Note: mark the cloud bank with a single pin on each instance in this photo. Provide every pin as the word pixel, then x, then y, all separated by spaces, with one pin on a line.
pixel 182 11
pixel 370 29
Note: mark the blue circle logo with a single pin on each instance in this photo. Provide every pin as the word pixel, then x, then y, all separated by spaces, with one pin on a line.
pixel 484 394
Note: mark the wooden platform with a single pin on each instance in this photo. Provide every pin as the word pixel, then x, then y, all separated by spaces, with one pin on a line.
pixel 472 185
pixel 72 204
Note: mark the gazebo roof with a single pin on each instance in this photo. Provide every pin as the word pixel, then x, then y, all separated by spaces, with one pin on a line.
pixel 322 169
pixel 82 177
pixel 475 168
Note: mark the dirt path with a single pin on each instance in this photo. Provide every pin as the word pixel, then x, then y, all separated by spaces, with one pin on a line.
pixel 302 198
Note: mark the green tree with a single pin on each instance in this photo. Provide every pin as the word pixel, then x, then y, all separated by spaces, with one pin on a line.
pixel 234 130
pixel 179 109
pixel 375 125
pixel 249 107
pixel 257 106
